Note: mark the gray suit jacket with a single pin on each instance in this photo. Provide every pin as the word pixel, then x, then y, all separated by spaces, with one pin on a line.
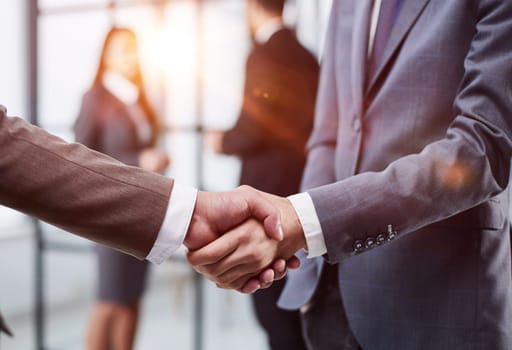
pixel 79 190
pixel 424 147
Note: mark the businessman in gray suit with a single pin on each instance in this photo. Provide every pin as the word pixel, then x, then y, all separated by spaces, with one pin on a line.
pixel 406 209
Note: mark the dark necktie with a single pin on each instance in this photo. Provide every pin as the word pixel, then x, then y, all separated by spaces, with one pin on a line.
pixel 388 14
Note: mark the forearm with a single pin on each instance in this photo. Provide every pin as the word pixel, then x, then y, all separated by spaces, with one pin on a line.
pixel 447 178
pixel 80 190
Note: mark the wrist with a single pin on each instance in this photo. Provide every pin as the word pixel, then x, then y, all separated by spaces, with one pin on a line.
pixel 292 227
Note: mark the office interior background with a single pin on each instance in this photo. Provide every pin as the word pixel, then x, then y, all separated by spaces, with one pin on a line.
pixel 193 54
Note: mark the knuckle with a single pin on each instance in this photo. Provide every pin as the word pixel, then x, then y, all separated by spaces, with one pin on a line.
pixel 244 188
pixel 215 270
pixel 253 255
pixel 224 280
pixel 244 238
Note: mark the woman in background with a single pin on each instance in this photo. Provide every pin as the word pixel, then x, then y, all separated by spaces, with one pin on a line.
pixel 116 119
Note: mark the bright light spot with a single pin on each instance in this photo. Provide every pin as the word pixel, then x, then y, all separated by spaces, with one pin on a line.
pixel 171 48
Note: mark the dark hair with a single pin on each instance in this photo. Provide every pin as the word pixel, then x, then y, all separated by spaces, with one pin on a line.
pixel 275 6
pixel 139 81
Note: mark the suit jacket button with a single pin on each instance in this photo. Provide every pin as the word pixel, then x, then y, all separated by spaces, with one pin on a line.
pixel 380 239
pixel 358 246
pixel 356 124
pixel 370 243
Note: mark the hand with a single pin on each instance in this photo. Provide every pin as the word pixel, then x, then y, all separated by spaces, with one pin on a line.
pixel 154 160
pixel 217 213
pixel 233 260
pixel 213 141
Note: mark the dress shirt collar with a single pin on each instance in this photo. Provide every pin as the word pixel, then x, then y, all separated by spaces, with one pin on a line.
pixel 268 29
pixel 123 89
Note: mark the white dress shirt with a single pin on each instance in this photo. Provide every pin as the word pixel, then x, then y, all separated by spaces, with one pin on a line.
pixel 302 203
pixel 176 223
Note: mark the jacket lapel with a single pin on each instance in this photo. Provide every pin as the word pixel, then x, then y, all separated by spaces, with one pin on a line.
pixel 411 10
pixel 362 14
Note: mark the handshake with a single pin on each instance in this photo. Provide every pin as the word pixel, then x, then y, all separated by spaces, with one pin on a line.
pixel 243 239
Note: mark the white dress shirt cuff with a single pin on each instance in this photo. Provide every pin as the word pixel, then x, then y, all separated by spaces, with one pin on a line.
pixel 176 223
pixel 305 209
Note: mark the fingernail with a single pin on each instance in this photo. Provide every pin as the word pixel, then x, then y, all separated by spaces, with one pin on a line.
pixel 250 291
pixel 280 230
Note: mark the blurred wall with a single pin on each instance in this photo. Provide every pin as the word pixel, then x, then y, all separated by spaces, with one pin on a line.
pixel 12 56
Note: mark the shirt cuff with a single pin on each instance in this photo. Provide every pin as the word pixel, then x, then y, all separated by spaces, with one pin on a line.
pixel 175 225
pixel 305 209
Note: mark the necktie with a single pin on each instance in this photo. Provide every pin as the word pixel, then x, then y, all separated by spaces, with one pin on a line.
pixel 388 14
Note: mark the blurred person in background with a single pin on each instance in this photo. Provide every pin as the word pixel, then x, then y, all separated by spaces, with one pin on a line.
pixel 270 135
pixel 117 119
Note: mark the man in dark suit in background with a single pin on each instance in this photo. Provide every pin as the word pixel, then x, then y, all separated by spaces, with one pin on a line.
pixel 271 133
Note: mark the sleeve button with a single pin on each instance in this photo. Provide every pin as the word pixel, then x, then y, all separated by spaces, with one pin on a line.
pixel 381 238
pixel 391 233
pixel 370 243
pixel 358 246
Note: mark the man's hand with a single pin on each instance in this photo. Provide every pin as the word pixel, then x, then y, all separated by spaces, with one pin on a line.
pixel 217 213
pixel 236 258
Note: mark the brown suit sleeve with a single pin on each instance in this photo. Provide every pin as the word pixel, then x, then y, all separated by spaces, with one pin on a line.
pixel 79 190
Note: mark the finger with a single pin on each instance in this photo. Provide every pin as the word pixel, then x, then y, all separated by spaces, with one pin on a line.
pixel 280 269
pixel 293 263
pixel 222 271
pixel 264 211
pixel 279 265
pixel 239 283
pixel 251 286
pixel 280 275
pixel 213 252
pixel 233 276
pixel 267 277
pixel 253 252
pixel 267 285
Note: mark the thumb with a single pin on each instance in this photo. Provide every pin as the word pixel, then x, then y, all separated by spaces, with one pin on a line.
pixel 264 211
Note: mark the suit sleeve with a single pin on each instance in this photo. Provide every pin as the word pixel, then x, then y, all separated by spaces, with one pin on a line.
pixel 79 190
pixel 279 99
pixel 465 168
pixel 248 134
